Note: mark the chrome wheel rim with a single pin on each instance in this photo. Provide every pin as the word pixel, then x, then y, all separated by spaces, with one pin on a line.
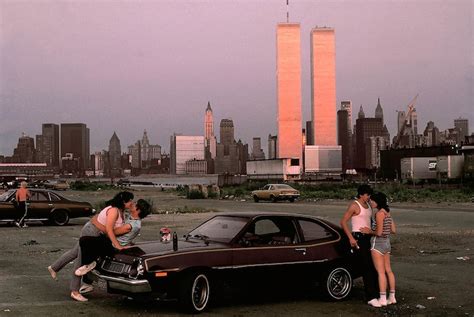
pixel 200 292
pixel 339 283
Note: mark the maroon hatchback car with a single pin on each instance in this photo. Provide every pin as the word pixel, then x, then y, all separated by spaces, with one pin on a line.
pixel 235 249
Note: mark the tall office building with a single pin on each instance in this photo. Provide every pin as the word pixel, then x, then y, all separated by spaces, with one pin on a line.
pixel 323 86
pixel 366 128
pixel 361 114
pixel 272 146
pixel 209 136
pixel 47 145
pixel 208 122
pixel 227 132
pixel 257 152
pixel 75 140
pixel 115 154
pixel 25 150
pixel 183 149
pixel 289 92
pixel 463 126
pixel 344 138
pixel 379 110
pixel 347 105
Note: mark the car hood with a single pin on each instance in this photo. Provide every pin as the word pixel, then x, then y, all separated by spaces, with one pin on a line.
pixel 154 248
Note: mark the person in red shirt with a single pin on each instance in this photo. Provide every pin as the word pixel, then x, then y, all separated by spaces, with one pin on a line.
pixel 21 196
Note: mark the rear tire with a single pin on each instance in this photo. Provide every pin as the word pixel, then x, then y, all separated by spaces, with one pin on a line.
pixel 60 217
pixel 194 292
pixel 291 200
pixel 273 198
pixel 337 283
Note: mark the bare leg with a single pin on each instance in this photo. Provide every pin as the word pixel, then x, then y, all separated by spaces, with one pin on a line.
pixel 380 267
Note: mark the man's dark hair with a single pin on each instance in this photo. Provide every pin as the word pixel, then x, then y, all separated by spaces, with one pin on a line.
pixel 144 207
pixel 364 189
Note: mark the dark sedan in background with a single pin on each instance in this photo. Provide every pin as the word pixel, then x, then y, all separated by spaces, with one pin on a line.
pixel 232 250
pixel 44 205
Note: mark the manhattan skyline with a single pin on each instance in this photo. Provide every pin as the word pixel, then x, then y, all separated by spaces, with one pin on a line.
pixel 131 66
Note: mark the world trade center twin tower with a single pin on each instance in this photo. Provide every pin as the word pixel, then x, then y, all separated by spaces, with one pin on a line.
pixel 323 89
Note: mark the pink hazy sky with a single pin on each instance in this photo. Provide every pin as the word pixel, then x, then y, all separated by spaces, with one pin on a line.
pixel 126 66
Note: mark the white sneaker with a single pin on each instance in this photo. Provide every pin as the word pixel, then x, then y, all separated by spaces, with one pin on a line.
pixel 391 301
pixel 374 303
pixel 83 270
pixel 86 288
pixel 17 224
pixel 383 301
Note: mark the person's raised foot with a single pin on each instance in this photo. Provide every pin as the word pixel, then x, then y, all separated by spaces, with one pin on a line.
pixel 83 270
pixel 77 296
pixel 53 273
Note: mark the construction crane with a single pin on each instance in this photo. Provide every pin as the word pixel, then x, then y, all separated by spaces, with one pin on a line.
pixel 401 131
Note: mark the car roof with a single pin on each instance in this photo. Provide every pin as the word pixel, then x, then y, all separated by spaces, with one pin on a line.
pixel 253 214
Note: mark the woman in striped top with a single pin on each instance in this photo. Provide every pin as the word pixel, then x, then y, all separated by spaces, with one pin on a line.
pixel 380 247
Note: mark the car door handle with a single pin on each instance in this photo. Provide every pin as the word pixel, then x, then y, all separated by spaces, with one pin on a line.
pixel 302 250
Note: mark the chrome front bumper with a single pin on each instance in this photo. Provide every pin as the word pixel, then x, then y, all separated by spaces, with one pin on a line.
pixel 123 284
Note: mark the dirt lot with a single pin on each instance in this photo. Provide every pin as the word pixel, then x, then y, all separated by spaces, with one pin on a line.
pixel 433 257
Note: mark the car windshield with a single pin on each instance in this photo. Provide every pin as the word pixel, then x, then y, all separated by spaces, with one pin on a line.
pixel 283 186
pixel 220 228
pixel 5 195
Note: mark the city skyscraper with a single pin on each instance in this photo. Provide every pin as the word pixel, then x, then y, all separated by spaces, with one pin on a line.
pixel 75 140
pixel 115 153
pixel 366 128
pixel 184 148
pixel 47 144
pixel 347 105
pixel 257 152
pixel 289 91
pixel 227 132
pixel 379 111
pixel 208 122
pixel 209 137
pixel 463 126
pixel 361 114
pixel 323 86
pixel 344 137
pixel 25 150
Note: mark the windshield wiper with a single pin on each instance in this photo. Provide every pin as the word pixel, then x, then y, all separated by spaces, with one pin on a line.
pixel 201 236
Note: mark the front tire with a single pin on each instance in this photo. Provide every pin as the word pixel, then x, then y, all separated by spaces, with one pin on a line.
pixel 255 198
pixel 60 218
pixel 194 292
pixel 337 283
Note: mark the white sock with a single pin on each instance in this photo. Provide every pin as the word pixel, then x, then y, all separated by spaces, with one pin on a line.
pixel 383 296
pixel 391 296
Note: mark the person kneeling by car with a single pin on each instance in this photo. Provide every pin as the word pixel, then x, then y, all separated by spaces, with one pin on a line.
pixel 94 247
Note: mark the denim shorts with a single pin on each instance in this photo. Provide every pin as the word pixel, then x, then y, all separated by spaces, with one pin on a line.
pixel 380 244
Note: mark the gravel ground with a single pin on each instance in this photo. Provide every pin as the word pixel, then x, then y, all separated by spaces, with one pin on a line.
pixel 433 256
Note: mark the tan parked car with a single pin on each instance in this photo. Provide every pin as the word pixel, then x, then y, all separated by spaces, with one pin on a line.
pixel 275 192
pixel 56 185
